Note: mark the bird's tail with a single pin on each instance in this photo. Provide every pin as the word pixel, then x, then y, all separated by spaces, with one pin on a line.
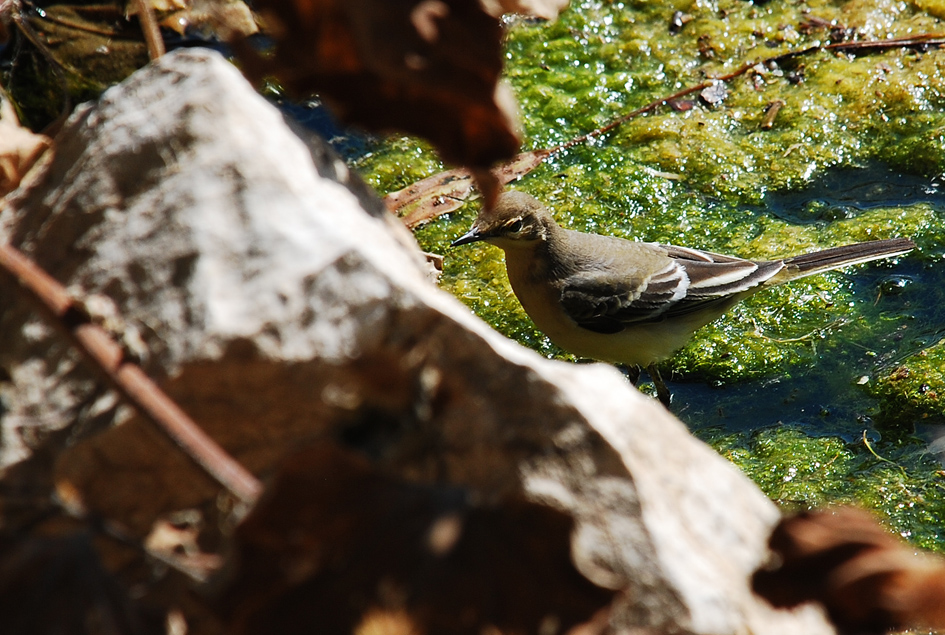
pixel 836 257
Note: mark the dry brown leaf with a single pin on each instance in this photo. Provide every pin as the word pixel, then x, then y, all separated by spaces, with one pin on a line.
pixel 221 17
pixel 427 67
pixel 334 547
pixel 158 6
pixel 175 542
pixel 19 148
pixel 868 580
pixel 421 202
pixel 547 9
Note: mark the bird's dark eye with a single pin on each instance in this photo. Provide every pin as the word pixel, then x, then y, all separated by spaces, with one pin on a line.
pixel 515 226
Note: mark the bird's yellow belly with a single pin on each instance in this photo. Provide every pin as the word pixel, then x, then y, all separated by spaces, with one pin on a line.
pixel 640 344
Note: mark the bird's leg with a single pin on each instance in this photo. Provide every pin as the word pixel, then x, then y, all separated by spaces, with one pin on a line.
pixel 662 392
pixel 632 372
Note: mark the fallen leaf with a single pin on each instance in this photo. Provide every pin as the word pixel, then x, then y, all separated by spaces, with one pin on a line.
pixel 868 580
pixel 426 67
pixel 175 541
pixel 19 148
pixel 442 193
pixel 434 196
pixel 547 9
pixel 223 18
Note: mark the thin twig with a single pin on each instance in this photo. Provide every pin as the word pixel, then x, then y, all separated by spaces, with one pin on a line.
pixel 78 26
pixel 150 29
pixel 653 105
pixel 929 39
pixel 923 40
pixel 127 378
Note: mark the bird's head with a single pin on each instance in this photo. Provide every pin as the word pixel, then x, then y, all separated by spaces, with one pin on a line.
pixel 517 221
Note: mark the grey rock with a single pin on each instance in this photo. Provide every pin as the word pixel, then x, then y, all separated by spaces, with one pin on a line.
pixel 274 299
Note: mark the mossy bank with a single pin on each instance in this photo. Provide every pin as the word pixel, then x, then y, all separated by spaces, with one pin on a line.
pixel 787 383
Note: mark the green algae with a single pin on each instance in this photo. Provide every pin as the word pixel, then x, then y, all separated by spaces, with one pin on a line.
pixel 800 471
pixel 787 382
pixel 913 391
pixel 578 73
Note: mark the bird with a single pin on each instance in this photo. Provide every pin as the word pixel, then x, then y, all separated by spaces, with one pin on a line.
pixel 628 302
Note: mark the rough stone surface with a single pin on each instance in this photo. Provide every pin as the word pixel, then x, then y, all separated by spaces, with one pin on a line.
pixel 277 303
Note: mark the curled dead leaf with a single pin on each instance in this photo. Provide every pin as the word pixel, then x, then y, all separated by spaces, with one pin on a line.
pixel 427 67
pixel 868 580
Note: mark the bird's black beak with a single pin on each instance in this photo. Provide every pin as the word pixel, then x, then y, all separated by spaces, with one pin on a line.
pixel 471 236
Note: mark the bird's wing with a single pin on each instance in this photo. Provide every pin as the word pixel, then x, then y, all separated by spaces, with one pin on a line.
pixel 606 300
pixel 714 275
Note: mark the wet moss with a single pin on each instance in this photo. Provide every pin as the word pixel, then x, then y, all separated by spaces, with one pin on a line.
pixel 799 470
pixel 914 389
pixel 786 383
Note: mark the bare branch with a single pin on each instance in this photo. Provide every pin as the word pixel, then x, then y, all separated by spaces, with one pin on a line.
pixel 150 29
pixel 70 317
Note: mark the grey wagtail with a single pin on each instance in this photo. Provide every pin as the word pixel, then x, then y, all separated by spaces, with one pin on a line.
pixel 629 302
